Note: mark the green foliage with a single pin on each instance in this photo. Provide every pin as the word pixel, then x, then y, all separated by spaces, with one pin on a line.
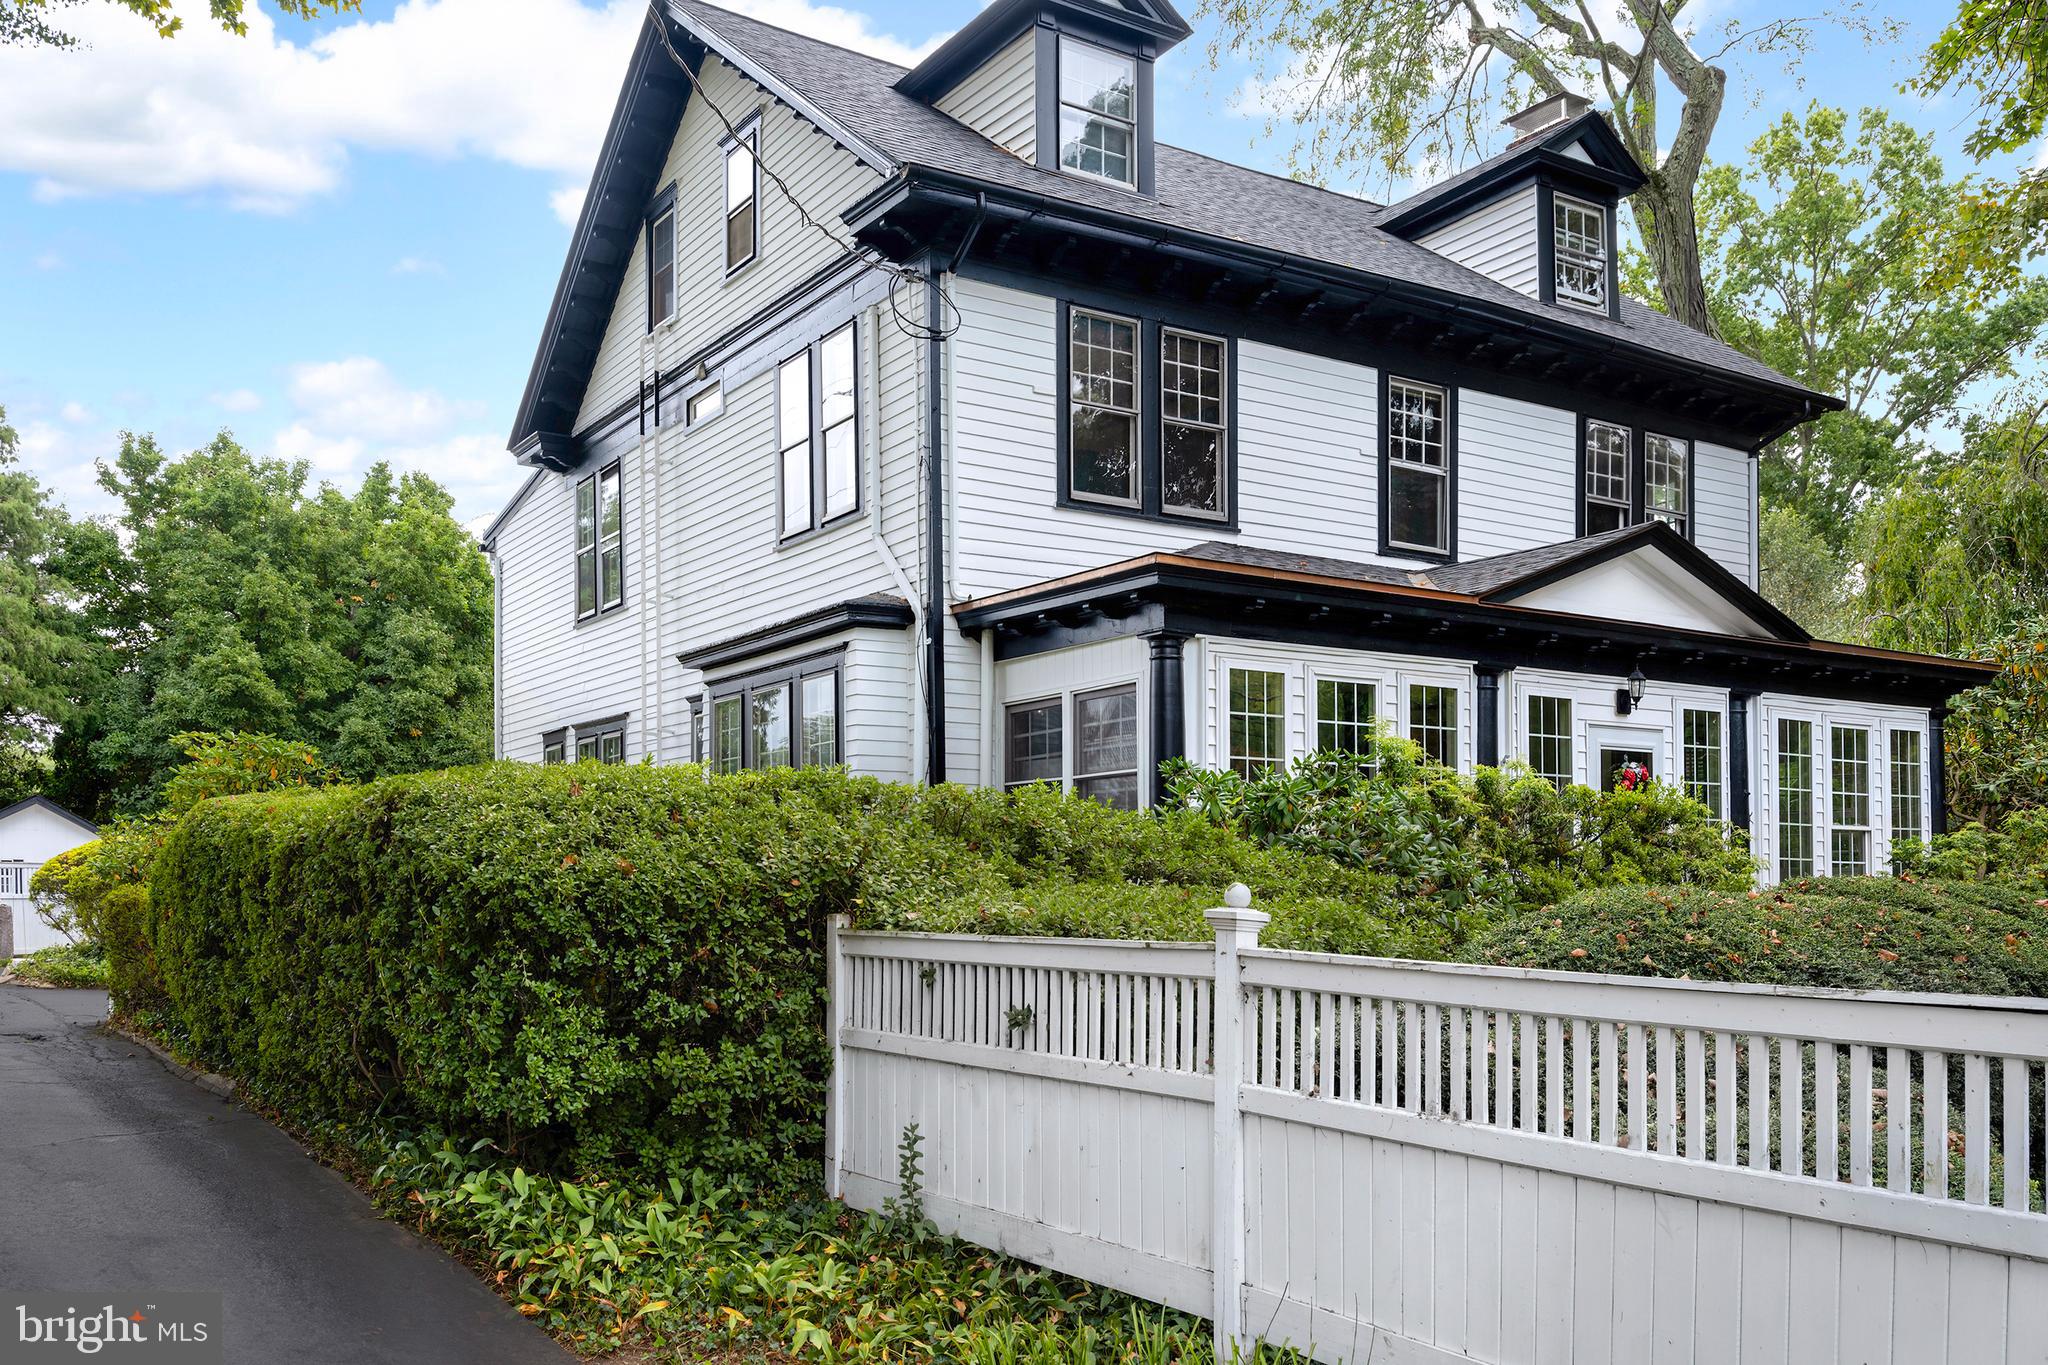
pixel 1859 933
pixel 1497 841
pixel 27 22
pixel 1804 576
pixel 76 966
pixel 1842 255
pixel 238 764
pixel 24 771
pixel 39 642
pixel 2015 849
pixel 694 1266
pixel 241 601
pixel 98 893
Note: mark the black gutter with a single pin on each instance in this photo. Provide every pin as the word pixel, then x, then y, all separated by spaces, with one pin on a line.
pixel 935 534
pixel 965 192
pixel 887 613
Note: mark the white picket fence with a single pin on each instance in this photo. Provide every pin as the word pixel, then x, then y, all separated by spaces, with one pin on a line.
pixel 1424 1162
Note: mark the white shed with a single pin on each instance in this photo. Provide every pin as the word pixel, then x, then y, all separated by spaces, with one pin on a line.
pixel 31 833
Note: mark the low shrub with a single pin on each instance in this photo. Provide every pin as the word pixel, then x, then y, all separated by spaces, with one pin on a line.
pixel 2014 849
pixel 1497 841
pixel 77 966
pixel 1988 938
pixel 98 893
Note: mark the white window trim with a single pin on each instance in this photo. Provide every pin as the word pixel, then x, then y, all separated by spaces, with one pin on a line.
pixel 1558 258
pixel 1442 473
pixel 1825 714
pixel 1312 700
pixel 747 134
pixel 1304 666
pixel 1137 410
pixel 1060 107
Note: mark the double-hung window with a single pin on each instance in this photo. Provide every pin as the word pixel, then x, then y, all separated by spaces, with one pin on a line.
pixel 1417 468
pixel 661 268
pixel 1664 480
pixel 1102 391
pixel 1849 791
pixel 742 198
pixel 1105 749
pixel 1098 112
pixel 600 544
pixel 1192 434
pixel 1908 817
pixel 1550 739
pixel 818 433
pixel 1258 720
pixel 787 717
pixel 1606 481
pixel 1345 713
pixel 1700 746
pixel 1579 253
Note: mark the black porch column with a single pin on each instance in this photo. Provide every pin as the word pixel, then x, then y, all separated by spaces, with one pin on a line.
pixel 1738 758
pixel 1486 717
pixel 1937 757
pixel 1169 719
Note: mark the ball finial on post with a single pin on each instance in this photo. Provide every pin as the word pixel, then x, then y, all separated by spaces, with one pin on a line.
pixel 1238 896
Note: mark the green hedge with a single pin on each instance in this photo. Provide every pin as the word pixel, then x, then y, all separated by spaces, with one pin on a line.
pixel 611 967
pixel 1988 938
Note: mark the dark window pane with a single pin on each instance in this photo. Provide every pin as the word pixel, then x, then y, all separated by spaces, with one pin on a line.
pixel 613 570
pixel 1120 792
pixel 1415 508
pixel 1192 468
pixel 1106 731
pixel 1103 446
pixel 726 735
pixel 611 748
pixel 739 235
pixel 586 582
pixel 1345 712
pixel 771 726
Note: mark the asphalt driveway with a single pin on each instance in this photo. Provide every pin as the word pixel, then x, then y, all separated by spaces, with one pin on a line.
pixel 116 1175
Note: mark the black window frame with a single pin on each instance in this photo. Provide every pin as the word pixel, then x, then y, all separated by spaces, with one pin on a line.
pixel 1549 185
pixel 1151 408
pixel 554 746
pixel 598 734
pixel 1057 705
pixel 1559 201
pixel 791 674
pixel 747 133
pixel 662 207
pixel 595 481
pixel 1388 546
pixel 1638 498
pixel 813 355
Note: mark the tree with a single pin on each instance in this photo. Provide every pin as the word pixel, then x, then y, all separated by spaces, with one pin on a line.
pixel 1996 53
pixel 1802 575
pixel 28 23
pixel 37 638
pixel 1832 255
pixel 1387 83
pixel 242 602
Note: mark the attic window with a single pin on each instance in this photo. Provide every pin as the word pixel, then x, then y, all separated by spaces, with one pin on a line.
pixel 1579 253
pixel 661 269
pixel 1098 112
pixel 742 198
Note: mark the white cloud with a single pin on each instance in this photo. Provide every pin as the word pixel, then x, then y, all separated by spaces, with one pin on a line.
pixel 78 414
pixel 267 122
pixel 417 265
pixel 360 397
pixel 237 400
pixel 567 202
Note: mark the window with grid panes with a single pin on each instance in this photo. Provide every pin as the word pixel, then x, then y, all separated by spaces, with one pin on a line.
pixel 1908 817
pixel 1664 481
pixel 1102 412
pixel 1257 715
pixel 1579 253
pixel 1106 746
pixel 1550 739
pixel 1606 477
pixel 1849 801
pixel 1418 469
pixel 1191 423
pixel 1795 798
pixel 1033 743
pixel 1700 754
pixel 1345 713
pixel 1433 721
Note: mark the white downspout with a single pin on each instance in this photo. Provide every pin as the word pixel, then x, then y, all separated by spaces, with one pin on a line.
pixel 989 775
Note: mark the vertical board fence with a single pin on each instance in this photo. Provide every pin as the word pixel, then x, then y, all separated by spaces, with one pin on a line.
pixel 1425 1162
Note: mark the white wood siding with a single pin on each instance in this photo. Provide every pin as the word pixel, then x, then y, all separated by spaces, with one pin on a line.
pixel 999 100
pixel 1517 474
pixel 557 673
pixel 707 301
pixel 1498 240
pixel 1724 487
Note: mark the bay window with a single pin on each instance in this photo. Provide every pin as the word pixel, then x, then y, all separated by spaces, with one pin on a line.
pixel 786 716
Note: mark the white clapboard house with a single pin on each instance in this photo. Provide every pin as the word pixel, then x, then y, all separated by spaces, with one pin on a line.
pixel 949 424
pixel 31 833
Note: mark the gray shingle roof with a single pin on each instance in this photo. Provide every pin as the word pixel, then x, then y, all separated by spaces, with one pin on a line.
pixel 1482 576
pixel 1194 192
pixel 1287 561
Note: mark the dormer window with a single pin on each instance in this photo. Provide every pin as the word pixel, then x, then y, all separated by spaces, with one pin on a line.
pixel 1098 112
pixel 1579 253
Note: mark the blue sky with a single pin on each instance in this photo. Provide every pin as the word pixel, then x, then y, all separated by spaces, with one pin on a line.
pixel 339 239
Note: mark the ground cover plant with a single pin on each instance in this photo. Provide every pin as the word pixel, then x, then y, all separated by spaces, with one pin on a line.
pixel 70 965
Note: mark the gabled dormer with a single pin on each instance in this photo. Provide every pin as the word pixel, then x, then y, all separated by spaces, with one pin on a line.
pixel 1063 84
pixel 1539 217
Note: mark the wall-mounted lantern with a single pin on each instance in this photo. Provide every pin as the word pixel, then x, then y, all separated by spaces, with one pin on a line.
pixel 1626 699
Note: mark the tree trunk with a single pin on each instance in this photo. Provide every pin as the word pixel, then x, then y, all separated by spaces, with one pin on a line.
pixel 1671 238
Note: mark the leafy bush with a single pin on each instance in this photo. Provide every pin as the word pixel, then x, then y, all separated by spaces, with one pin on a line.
pixel 81 966
pixel 237 762
pixel 1987 938
pixel 98 893
pixel 620 968
pixel 2015 849
pixel 1499 840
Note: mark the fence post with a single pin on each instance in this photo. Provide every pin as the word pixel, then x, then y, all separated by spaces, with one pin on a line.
pixel 1237 927
pixel 836 996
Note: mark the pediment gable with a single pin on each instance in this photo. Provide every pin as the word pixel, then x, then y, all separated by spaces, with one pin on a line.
pixel 1647 587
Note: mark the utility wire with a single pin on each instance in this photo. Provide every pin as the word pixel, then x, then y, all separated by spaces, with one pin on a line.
pixel 898 274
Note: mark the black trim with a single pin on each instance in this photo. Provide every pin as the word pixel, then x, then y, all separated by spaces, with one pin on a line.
pixel 1169 722
pixel 1739 786
pixel 1151 418
pixel 40 802
pixel 602 612
pixel 1637 476
pixel 791 674
pixel 1218 599
pixel 815 370
pixel 696 703
pixel 558 740
pixel 935 533
pixel 882 613
pixel 1937 755
pixel 1449 553
pixel 1612 173
pixel 1151 26
pixel 1486 717
pixel 597 732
